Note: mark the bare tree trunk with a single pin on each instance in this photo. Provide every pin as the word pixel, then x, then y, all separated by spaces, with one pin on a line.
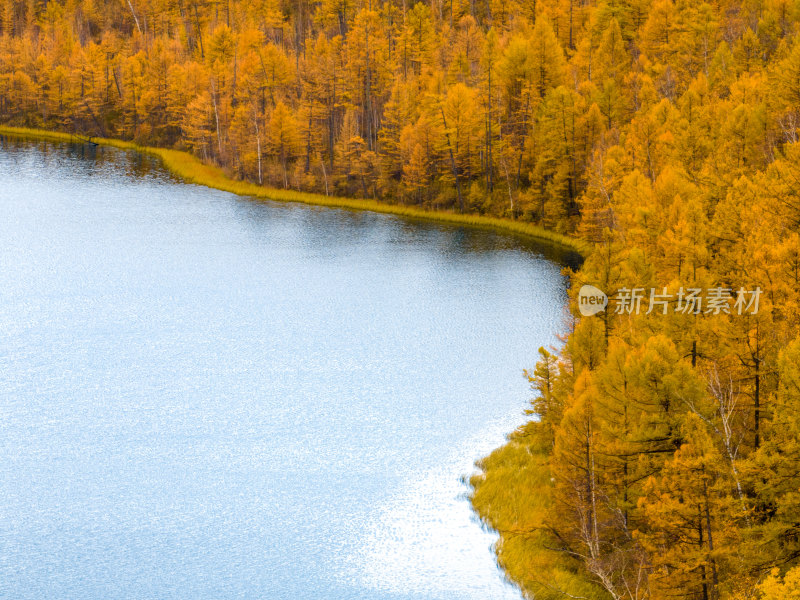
pixel 216 117
pixel 508 183
pixel 452 162
pixel 258 149
pixel 324 173
pixel 135 18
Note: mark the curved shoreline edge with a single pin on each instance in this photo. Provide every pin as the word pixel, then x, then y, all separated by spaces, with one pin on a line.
pixel 191 169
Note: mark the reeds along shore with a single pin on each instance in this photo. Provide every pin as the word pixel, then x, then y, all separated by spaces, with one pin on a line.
pixel 191 169
pixel 662 461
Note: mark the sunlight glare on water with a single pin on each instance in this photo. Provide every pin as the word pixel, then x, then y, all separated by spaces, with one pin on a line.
pixel 416 539
pixel 204 396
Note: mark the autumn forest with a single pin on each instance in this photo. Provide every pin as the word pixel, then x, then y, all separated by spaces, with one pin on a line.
pixel 662 458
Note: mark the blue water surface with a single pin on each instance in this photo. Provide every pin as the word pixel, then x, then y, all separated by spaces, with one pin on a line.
pixel 206 396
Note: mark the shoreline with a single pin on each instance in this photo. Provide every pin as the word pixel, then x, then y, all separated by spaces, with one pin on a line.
pixel 191 169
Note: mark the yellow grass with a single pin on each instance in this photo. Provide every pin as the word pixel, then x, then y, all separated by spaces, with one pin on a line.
pixel 191 169
pixel 513 494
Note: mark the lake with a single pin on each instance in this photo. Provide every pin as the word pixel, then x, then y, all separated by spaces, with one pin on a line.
pixel 207 396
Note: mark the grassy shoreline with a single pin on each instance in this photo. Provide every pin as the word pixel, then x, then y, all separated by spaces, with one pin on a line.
pixel 190 169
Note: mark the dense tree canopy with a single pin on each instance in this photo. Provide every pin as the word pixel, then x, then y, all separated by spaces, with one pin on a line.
pixel 502 107
pixel 664 458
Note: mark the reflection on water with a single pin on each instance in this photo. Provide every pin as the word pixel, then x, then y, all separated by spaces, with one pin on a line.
pixel 204 396
pixel 416 544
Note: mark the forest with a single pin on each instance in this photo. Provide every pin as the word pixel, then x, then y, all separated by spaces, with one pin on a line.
pixel 662 456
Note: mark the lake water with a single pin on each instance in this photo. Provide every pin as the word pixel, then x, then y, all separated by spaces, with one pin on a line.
pixel 205 396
